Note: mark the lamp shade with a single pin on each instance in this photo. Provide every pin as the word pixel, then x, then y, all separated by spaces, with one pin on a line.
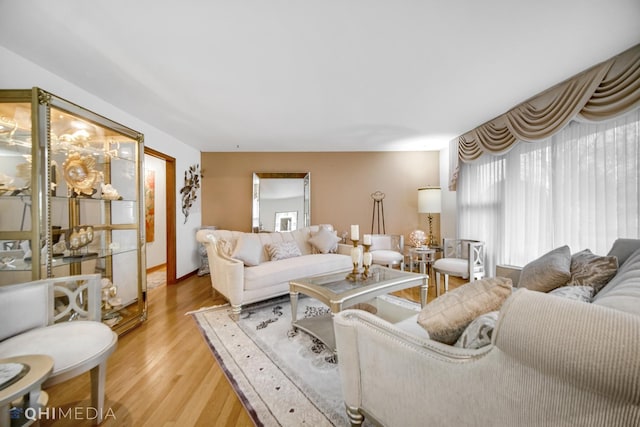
pixel 429 199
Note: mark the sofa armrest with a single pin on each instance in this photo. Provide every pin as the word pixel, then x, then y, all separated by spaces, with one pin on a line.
pixel 344 249
pixel 226 273
pixel 510 271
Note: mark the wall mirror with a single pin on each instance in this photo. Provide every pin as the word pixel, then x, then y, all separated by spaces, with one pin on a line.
pixel 281 201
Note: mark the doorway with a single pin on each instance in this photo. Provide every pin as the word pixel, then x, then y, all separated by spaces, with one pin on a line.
pixel 169 209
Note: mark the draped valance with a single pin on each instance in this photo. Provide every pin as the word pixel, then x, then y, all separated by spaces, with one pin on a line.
pixel 606 90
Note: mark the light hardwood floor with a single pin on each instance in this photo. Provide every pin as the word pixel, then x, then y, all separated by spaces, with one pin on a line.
pixel 163 373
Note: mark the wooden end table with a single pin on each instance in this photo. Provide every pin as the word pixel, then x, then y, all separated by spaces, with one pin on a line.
pixel 39 367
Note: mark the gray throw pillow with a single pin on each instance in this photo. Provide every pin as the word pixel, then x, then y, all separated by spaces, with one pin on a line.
pixel 578 293
pixel 623 248
pixel 548 272
pixel 478 333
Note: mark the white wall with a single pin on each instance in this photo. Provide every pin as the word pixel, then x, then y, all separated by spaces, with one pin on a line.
pixel 157 250
pixel 19 73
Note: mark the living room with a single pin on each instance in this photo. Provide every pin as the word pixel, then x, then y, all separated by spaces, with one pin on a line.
pixel 357 157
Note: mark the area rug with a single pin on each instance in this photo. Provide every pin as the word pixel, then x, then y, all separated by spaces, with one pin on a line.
pixel 156 278
pixel 283 377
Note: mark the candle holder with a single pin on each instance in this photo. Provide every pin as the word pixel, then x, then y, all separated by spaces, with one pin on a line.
pixel 355 260
pixel 366 261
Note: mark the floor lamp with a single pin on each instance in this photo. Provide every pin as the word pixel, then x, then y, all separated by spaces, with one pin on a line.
pixel 429 201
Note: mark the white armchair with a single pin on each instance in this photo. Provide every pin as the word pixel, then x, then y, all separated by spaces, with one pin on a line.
pixel 461 258
pixel 28 312
pixel 386 249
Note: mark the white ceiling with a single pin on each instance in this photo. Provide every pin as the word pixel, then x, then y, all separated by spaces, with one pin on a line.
pixel 330 75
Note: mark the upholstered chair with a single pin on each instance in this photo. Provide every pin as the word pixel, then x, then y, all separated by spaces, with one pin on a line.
pixel 460 258
pixel 36 318
pixel 386 249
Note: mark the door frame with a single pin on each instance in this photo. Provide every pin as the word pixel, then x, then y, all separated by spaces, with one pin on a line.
pixel 170 209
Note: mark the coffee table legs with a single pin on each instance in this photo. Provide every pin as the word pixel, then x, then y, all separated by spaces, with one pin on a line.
pixel 294 307
pixel 423 291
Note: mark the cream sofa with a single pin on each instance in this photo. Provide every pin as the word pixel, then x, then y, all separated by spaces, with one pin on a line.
pixel 242 270
pixel 551 362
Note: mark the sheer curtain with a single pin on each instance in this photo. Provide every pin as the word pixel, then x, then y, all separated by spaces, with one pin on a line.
pixel 579 187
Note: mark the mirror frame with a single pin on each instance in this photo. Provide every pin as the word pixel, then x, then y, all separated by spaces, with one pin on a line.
pixel 305 220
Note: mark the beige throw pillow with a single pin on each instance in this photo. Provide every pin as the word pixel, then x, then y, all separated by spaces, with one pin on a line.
pixel 283 250
pixel 325 241
pixel 248 249
pixel 548 272
pixel 446 317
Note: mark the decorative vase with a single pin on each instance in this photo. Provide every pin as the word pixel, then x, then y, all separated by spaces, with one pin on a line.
pixel 417 238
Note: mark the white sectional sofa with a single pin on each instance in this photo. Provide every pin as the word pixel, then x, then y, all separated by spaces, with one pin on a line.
pixel 552 360
pixel 250 267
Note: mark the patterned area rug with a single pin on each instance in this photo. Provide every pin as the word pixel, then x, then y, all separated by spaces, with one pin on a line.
pixel 283 377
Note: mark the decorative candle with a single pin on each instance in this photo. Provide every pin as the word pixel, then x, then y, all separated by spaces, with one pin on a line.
pixel 355 232
pixel 367 257
pixel 355 255
pixel 366 239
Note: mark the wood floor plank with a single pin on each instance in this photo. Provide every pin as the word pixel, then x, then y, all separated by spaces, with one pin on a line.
pixel 162 373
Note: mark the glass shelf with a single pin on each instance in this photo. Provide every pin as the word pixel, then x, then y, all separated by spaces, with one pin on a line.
pixel 71 178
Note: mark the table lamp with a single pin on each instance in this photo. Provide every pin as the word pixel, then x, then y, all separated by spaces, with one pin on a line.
pixel 429 201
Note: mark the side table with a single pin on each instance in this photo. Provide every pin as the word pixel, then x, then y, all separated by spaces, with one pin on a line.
pixel 39 367
pixel 424 257
pixel 202 251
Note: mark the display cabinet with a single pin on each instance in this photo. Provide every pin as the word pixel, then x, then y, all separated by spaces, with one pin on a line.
pixel 71 200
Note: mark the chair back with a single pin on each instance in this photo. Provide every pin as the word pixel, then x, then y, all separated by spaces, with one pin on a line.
pixel 24 307
pixel 471 250
pixel 387 242
pixel 30 305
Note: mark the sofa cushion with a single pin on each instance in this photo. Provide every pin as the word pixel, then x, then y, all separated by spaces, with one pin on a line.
pixel 325 240
pixel 447 316
pixel 248 249
pixel 385 257
pixel 282 250
pixel 623 291
pixel 282 271
pixel 457 266
pixel 588 269
pixel 478 333
pixel 548 272
pixel 623 248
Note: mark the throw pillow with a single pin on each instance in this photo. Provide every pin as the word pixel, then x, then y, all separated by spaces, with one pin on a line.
pixel 478 333
pixel 588 269
pixel 325 241
pixel 623 248
pixel 225 247
pixel 447 316
pixel 548 272
pixel 578 293
pixel 248 249
pixel 282 250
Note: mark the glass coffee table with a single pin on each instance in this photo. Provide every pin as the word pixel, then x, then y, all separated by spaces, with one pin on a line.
pixel 338 293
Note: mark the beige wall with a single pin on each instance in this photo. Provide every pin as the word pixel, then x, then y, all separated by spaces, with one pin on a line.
pixel 341 187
